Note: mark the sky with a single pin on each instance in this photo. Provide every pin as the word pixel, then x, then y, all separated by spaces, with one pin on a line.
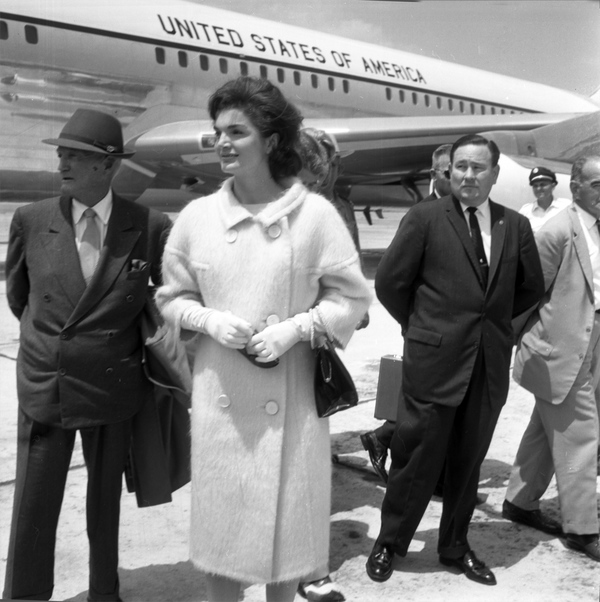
pixel 554 42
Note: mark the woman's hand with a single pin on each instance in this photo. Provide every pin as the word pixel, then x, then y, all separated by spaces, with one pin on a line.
pixel 227 329
pixel 273 341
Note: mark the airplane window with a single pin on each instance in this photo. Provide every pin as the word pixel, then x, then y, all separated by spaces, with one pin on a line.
pixel 346 86
pixel 31 34
pixel 461 106
pixel 388 93
pixel 493 110
pixel 280 75
pixel 401 95
pixel 483 109
pixel 297 78
pixel 314 80
pixel 263 72
pixel 243 68
pixel 450 104
pixel 223 65
pixel 426 100
pixel 161 57
pixel 183 58
pixel 204 62
pixel 502 111
pixel 331 83
pixel 3 30
pixel 472 109
pixel 438 101
pixel 415 98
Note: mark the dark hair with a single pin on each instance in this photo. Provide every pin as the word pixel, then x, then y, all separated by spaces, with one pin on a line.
pixel 269 111
pixel 477 140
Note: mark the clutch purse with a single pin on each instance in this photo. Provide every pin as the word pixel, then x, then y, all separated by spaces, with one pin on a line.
pixel 334 387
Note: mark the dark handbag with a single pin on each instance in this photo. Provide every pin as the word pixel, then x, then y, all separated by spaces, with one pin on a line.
pixel 334 387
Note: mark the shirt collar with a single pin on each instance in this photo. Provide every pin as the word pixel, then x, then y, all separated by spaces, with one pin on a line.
pixel 102 208
pixel 484 208
pixel 588 220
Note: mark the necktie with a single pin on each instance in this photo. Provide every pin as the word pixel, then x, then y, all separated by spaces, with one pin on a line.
pixel 89 248
pixel 478 243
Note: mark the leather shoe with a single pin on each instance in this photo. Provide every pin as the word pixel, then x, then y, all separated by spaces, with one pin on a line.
pixel 377 453
pixel 472 567
pixel 379 563
pixel 531 518
pixel 588 544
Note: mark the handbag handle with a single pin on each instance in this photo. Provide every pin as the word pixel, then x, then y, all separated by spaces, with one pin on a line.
pixel 326 370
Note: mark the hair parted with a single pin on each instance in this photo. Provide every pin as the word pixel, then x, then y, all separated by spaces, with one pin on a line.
pixel 270 112
pixel 477 140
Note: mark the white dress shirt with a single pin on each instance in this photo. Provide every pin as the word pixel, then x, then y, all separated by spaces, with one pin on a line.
pixel 102 209
pixel 484 217
pixel 538 215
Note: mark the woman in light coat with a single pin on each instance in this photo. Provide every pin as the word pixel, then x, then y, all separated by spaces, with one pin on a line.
pixel 256 271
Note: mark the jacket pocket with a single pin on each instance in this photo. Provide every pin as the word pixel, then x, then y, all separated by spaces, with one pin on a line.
pixel 537 345
pixel 424 336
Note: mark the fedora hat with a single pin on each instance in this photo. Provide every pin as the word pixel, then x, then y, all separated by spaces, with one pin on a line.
pixel 94 131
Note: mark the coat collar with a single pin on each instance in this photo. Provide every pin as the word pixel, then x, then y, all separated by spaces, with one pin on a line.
pixel 233 212
pixel 581 247
pixel 457 219
pixel 59 240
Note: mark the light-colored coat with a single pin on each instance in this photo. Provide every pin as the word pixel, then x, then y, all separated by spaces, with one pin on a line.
pixel 557 335
pixel 260 456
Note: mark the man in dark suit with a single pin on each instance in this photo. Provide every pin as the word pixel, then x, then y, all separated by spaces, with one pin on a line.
pixel 378 442
pixel 78 270
pixel 458 270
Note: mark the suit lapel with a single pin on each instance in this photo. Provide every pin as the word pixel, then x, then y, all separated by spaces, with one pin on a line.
pixel 459 224
pixel 498 219
pixel 121 237
pixel 581 248
pixel 61 252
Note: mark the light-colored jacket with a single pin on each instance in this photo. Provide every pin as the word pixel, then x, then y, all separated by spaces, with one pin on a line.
pixel 260 456
pixel 557 335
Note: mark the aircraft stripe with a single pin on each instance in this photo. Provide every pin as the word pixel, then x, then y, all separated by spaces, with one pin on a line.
pixel 246 58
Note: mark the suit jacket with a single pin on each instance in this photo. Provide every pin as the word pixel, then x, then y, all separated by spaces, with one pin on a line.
pixel 80 356
pixel 557 335
pixel 430 282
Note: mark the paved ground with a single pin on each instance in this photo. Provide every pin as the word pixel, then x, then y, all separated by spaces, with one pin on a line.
pixel 529 565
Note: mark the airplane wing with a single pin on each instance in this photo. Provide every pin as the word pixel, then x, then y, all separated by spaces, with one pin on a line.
pixel 179 155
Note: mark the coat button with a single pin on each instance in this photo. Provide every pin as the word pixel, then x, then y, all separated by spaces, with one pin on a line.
pixel 64 336
pixel 224 401
pixel 231 235
pixel 109 371
pixel 129 298
pixel 272 320
pixel 271 408
pixel 46 297
pixel 62 372
pixel 274 231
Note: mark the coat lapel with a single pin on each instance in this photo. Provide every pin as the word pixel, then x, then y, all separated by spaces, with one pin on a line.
pixel 61 252
pixel 498 219
pixel 121 237
pixel 581 248
pixel 459 224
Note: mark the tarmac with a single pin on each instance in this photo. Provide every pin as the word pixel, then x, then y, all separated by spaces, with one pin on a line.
pixel 154 566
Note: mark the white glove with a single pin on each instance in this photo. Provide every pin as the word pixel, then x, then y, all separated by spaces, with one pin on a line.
pixel 274 341
pixel 225 328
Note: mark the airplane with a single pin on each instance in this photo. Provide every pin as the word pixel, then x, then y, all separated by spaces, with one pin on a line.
pixel 153 64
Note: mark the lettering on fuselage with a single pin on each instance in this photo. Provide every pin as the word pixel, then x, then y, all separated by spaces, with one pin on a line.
pixel 288 49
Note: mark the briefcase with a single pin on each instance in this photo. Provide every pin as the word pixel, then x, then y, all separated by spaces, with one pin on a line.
pixel 389 387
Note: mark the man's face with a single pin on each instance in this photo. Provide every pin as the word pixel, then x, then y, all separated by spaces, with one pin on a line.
pixel 438 175
pixel 543 190
pixel 586 193
pixel 83 175
pixel 472 174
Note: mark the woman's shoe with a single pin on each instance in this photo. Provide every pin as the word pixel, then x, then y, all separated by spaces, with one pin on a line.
pixel 322 590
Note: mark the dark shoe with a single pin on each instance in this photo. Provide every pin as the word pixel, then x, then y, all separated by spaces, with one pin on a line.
pixel 379 563
pixel 472 567
pixel 377 453
pixel 322 590
pixel 588 544
pixel 531 518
